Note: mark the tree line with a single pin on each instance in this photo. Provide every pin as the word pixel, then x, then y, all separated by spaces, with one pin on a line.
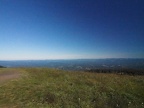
pixel 2 67
pixel 119 71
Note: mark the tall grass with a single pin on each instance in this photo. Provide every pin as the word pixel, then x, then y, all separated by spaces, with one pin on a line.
pixel 51 88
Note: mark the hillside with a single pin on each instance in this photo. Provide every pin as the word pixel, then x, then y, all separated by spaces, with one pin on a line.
pixel 51 88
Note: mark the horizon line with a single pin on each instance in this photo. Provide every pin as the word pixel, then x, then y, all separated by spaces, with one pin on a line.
pixel 67 59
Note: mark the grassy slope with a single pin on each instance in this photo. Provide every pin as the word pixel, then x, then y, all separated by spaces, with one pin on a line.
pixel 50 88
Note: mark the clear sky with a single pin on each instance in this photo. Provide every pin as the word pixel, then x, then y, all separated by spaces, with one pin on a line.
pixel 71 29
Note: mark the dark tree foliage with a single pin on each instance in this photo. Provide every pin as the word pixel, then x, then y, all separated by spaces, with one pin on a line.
pixel 119 71
pixel 2 67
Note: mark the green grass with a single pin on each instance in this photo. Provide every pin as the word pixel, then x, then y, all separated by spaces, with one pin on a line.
pixel 51 88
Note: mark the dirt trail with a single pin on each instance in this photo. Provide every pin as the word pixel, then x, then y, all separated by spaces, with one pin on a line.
pixel 9 74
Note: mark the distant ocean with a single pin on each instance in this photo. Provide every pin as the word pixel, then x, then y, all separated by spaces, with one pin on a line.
pixel 78 64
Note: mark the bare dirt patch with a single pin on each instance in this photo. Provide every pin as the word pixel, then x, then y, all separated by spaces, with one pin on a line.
pixel 9 74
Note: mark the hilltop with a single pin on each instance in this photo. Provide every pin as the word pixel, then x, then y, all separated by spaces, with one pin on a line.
pixel 53 88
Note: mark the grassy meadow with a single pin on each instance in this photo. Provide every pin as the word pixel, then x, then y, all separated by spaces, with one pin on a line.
pixel 52 88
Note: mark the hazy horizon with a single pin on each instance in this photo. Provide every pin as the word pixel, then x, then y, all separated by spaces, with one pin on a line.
pixel 71 29
pixel 64 59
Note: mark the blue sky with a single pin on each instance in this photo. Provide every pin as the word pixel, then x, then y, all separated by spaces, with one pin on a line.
pixel 71 29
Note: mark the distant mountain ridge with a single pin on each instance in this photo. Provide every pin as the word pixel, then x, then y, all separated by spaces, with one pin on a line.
pixel 78 64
